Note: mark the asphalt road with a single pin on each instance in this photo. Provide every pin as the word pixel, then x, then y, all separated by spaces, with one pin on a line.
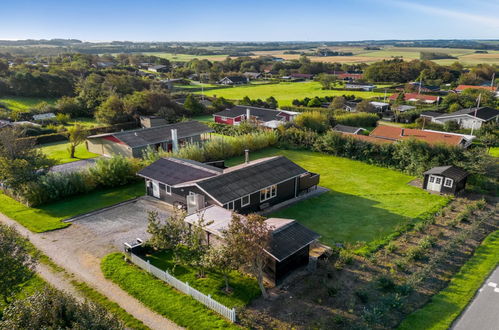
pixel 483 312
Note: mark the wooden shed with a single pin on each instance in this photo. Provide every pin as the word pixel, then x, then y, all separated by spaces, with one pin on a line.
pixel 445 179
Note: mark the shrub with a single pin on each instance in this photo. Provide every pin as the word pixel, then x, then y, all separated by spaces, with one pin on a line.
pixel 401 264
pixel 63 118
pixel 393 301
pixel 391 247
pixel 385 283
pixel 404 289
pixel 361 119
pixel 115 171
pixel 315 120
pixel 373 315
pixel 416 253
pixel 428 242
pixel 362 295
pixel 346 256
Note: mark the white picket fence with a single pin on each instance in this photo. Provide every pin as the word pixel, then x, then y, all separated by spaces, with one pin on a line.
pixel 229 313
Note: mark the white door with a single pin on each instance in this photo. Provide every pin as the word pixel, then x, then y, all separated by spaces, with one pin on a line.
pixel 155 189
pixel 435 183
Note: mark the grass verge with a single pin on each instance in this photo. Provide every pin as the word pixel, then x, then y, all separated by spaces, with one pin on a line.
pixel 448 304
pixel 160 297
pixel 48 217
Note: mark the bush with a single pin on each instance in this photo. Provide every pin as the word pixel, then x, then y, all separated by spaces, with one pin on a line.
pixel 346 256
pixel 385 283
pixel 63 118
pixel 315 120
pixel 416 253
pixel 115 171
pixel 362 295
pixel 361 119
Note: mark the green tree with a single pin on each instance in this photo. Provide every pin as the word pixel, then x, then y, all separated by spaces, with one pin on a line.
pixel 327 80
pixel 272 102
pixel 17 265
pixel 314 120
pixel 365 106
pixel 52 309
pixel 314 103
pixel 338 102
pixel 193 105
pixel 111 111
pixel 77 135
pixel 220 259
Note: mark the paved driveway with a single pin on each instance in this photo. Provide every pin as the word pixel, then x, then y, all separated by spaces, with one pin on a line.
pixel 483 312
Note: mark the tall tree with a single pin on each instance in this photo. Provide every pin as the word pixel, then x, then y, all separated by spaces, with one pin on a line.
pixel 248 238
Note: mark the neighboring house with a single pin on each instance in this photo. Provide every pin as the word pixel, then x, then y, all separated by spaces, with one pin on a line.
pixel 44 116
pixel 461 88
pixel 259 116
pixel 350 76
pixel 134 142
pixel 105 65
pixel 430 115
pixel 404 108
pixel 152 121
pixel 424 88
pixel 301 76
pixel 246 188
pixel 253 75
pixel 289 244
pixel 348 129
pixel 470 117
pixel 380 106
pixel 277 59
pixel 415 97
pixel 158 68
pixel 363 87
pixel 351 106
pixel 432 137
pixel 445 179
pixel 234 80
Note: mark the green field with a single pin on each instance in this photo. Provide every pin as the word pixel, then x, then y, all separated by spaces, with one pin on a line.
pixel 494 151
pixel 285 93
pixel 49 217
pixel 365 202
pixel 448 304
pixel 59 152
pixel 185 57
pixel 23 104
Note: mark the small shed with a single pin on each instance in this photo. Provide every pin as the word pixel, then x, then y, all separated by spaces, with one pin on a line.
pixel 445 179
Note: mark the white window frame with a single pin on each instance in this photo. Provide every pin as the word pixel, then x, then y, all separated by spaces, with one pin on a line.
pixel 228 206
pixel 168 189
pixel 438 180
pixel 446 180
pixel 268 193
pixel 242 200
pixel 223 118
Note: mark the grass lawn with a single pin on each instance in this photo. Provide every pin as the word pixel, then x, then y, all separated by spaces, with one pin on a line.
pixel 28 288
pixel 285 93
pixel 204 118
pixel 494 151
pixel 160 297
pixel 59 152
pixel 447 305
pixel 365 202
pixel 22 104
pixel 244 288
pixel 48 217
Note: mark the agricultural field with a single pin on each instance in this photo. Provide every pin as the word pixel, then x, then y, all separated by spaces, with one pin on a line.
pixel 59 152
pixel 23 104
pixel 365 202
pixel 186 57
pixel 285 93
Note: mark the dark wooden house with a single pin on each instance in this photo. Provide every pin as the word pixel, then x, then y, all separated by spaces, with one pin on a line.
pixel 249 187
pixel 445 179
pixel 289 244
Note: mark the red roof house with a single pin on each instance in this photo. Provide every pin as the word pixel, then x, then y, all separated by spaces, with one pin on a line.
pixel 415 97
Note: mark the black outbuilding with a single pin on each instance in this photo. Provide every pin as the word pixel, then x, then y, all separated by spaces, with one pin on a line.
pixel 445 179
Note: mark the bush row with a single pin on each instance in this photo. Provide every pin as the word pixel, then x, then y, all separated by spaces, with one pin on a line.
pixel 232 130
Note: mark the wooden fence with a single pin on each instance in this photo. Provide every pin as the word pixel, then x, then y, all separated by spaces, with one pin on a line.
pixel 229 313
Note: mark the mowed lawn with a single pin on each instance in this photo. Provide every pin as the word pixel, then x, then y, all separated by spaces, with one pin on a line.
pixel 494 151
pixel 59 152
pixel 365 202
pixel 23 104
pixel 49 217
pixel 285 93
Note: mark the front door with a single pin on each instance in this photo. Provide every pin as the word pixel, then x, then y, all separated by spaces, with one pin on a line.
pixel 435 183
pixel 155 189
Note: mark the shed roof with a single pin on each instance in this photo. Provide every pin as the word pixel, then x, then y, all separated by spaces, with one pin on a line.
pixel 453 172
pixel 288 237
pixel 483 113
pixel 147 136
pixel 263 114
pixel 346 129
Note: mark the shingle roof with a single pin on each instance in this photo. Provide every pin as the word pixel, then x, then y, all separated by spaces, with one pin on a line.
pixel 290 238
pixel 431 114
pixel 346 129
pixel 247 179
pixel 398 133
pixel 172 171
pixel 463 87
pixel 237 79
pixel 452 172
pixel 262 114
pixel 159 134
pixel 484 113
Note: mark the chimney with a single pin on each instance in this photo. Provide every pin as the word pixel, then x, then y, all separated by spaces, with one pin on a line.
pixel 174 140
pixel 246 156
pixel 402 132
pixel 248 113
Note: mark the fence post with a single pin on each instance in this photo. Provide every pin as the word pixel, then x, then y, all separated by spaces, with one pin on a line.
pixel 188 288
pixel 148 266
pixel 233 315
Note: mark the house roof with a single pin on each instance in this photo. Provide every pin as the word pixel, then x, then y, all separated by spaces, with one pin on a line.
pixel 431 137
pixel 404 107
pixel 236 79
pixel 370 139
pixel 172 171
pixel 263 114
pixel 346 129
pixel 245 179
pixel 453 172
pixel 488 88
pixel 157 67
pixel 288 237
pixel 484 113
pixel 423 86
pixel 252 74
pixel 344 75
pixel 146 136
pixel 415 96
pixel 301 75
pixel 4 123
pixel 432 114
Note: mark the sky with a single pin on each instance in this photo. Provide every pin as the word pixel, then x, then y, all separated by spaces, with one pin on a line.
pixel 253 20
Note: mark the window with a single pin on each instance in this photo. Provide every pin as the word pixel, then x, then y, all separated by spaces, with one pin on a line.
pixel 245 200
pixel 432 179
pixel 438 180
pixel 448 183
pixel 168 189
pixel 268 193
pixel 229 206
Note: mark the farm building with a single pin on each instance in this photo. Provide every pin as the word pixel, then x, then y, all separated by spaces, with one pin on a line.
pixel 445 179
pixel 249 187
pixel 234 80
pixel 415 97
pixel 133 143
pixel 348 129
pixel 253 75
pixel 432 137
pixel 289 244
pixel 259 116
pixel 470 117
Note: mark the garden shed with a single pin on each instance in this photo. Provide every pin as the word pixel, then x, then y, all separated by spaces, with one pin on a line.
pixel 445 179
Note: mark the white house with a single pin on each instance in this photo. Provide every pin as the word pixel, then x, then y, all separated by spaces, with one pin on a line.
pixel 469 118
